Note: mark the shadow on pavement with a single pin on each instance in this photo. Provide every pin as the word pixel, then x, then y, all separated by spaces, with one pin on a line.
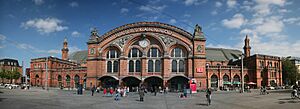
pixel 288 100
pixel 1 99
pixel 202 104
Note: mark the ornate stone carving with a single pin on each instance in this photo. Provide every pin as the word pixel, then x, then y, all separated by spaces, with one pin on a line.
pixel 167 40
pixel 121 42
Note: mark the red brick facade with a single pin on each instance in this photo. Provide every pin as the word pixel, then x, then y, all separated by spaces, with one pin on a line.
pixel 153 54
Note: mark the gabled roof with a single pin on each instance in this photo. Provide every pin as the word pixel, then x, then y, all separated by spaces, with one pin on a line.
pixel 221 54
pixel 79 56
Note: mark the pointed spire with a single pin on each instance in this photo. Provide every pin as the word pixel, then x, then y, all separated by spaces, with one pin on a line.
pixel 247 47
pixel 198 34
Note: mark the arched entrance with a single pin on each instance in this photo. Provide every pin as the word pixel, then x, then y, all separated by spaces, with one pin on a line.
pixel 37 81
pixel 68 79
pixel 153 82
pixel 77 81
pixel 214 81
pixel 84 81
pixel 236 81
pixel 226 82
pixel 178 83
pixel 59 79
pixel 131 82
pixel 109 82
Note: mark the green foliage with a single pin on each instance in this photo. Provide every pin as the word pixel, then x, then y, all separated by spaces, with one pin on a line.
pixel 16 74
pixel 8 74
pixel 290 72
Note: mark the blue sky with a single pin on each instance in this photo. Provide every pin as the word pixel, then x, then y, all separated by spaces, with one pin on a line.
pixel 36 28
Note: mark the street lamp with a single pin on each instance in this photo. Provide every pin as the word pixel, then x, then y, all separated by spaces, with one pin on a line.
pixel 46 85
pixel 207 65
pixel 242 72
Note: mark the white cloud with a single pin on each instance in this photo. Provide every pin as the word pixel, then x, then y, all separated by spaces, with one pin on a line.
pixel 173 21
pixel 53 51
pixel 231 3
pixel 187 15
pixel 246 31
pixel 152 8
pixel 38 2
pixel 272 25
pixel 292 20
pixel 74 49
pixel 194 2
pixel 2 39
pixel 214 12
pixel 75 34
pixel 283 11
pixel 124 10
pixel 263 6
pixel 25 46
pixel 74 4
pixel 236 22
pixel 47 25
pixel 218 4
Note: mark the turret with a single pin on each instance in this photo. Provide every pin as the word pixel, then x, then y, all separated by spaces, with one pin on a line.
pixel 65 50
pixel 247 47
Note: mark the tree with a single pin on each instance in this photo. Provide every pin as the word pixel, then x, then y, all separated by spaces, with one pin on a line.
pixel 2 74
pixel 290 72
pixel 16 74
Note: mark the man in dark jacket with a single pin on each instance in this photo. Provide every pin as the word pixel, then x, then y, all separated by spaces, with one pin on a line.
pixel 93 90
pixel 142 94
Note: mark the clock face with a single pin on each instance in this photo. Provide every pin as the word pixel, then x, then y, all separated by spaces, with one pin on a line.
pixel 143 43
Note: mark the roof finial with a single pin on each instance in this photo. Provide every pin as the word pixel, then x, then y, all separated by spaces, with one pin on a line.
pixel 198 34
pixel 65 40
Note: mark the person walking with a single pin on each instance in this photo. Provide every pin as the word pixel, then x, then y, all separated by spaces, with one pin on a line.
pixel 155 90
pixel 142 94
pixel 208 96
pixel 104 92
pixel 93 90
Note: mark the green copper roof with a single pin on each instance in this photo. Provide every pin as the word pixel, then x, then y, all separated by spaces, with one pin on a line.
pixel 79 56
pixel 212 54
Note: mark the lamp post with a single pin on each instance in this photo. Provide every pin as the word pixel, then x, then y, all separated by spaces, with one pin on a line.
pixel 46 85
pixel 242 73
pixel 207 65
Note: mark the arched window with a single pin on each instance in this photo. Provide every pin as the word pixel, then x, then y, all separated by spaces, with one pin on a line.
pixel 59 78
pixel 131 65
pixel 109 66
pixel 154 57
pixel 150 66
pixel 112 58
pixel 178 60
pixel 138 66
pixel 174 66
pixel 134 56
pixel 157 66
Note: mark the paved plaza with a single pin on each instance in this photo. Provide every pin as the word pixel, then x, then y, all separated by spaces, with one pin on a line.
pixel 61 99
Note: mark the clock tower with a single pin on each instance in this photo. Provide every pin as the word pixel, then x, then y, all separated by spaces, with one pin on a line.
pixel 65 50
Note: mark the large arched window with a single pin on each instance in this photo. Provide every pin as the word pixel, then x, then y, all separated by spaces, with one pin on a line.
pixel 134 58
pixel 112 61
pixel 178 60
pixel 154 57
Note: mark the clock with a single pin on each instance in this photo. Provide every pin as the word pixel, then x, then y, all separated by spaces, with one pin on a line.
pixel 143 43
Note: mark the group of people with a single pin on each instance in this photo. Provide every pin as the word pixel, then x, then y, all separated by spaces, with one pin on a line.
pixel 117 92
